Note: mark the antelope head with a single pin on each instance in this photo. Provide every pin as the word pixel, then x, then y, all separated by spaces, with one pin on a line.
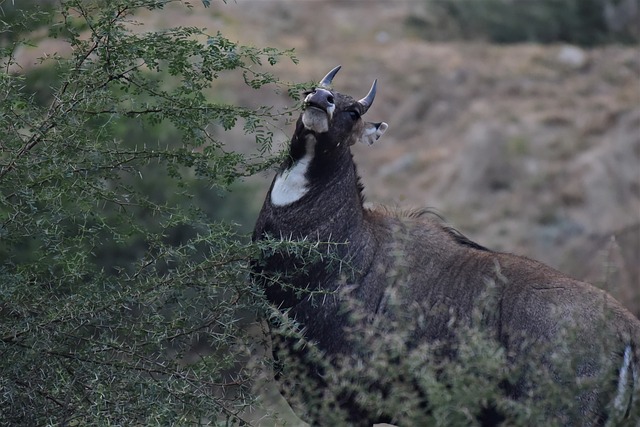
pixel 340 116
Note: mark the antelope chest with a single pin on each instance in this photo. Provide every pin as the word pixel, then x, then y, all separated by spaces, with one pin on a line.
pixel 292 184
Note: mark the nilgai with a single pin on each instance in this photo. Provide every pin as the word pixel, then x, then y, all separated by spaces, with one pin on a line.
pixel 316 196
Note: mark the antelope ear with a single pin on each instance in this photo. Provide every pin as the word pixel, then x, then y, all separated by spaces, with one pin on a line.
pixel 372 131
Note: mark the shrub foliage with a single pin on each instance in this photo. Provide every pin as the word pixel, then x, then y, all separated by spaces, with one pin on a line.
pixel 467 380
pixel 122 298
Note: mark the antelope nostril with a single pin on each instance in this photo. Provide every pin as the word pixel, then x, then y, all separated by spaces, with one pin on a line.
pixel 320 98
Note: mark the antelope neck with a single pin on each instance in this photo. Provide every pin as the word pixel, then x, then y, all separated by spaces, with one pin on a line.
pixel 292 183
pixel 308 168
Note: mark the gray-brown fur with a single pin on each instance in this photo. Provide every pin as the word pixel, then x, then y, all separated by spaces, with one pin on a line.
pixel 438 272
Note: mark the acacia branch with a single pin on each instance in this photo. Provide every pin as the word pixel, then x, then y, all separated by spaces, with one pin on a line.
pixel 40 392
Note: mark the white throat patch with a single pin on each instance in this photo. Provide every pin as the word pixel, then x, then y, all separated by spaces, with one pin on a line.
pixel 291 184
pixel 317 120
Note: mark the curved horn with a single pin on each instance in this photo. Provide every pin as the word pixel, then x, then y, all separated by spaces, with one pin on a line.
pixel 368 100
pixel 326 81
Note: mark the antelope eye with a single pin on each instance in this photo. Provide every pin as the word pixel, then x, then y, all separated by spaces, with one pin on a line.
pixel 354 115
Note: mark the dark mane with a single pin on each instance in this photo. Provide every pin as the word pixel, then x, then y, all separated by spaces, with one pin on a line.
pixel 457 235
pixel 359 183
pixel 463 240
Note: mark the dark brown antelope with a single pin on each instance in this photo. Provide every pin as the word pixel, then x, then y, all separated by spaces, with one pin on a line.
pixel 433 271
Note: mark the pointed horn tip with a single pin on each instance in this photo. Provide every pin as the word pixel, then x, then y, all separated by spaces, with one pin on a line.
pixel 368 99
pixel 326 80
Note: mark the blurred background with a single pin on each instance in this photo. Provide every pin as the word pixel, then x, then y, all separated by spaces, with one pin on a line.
pixel 518 121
